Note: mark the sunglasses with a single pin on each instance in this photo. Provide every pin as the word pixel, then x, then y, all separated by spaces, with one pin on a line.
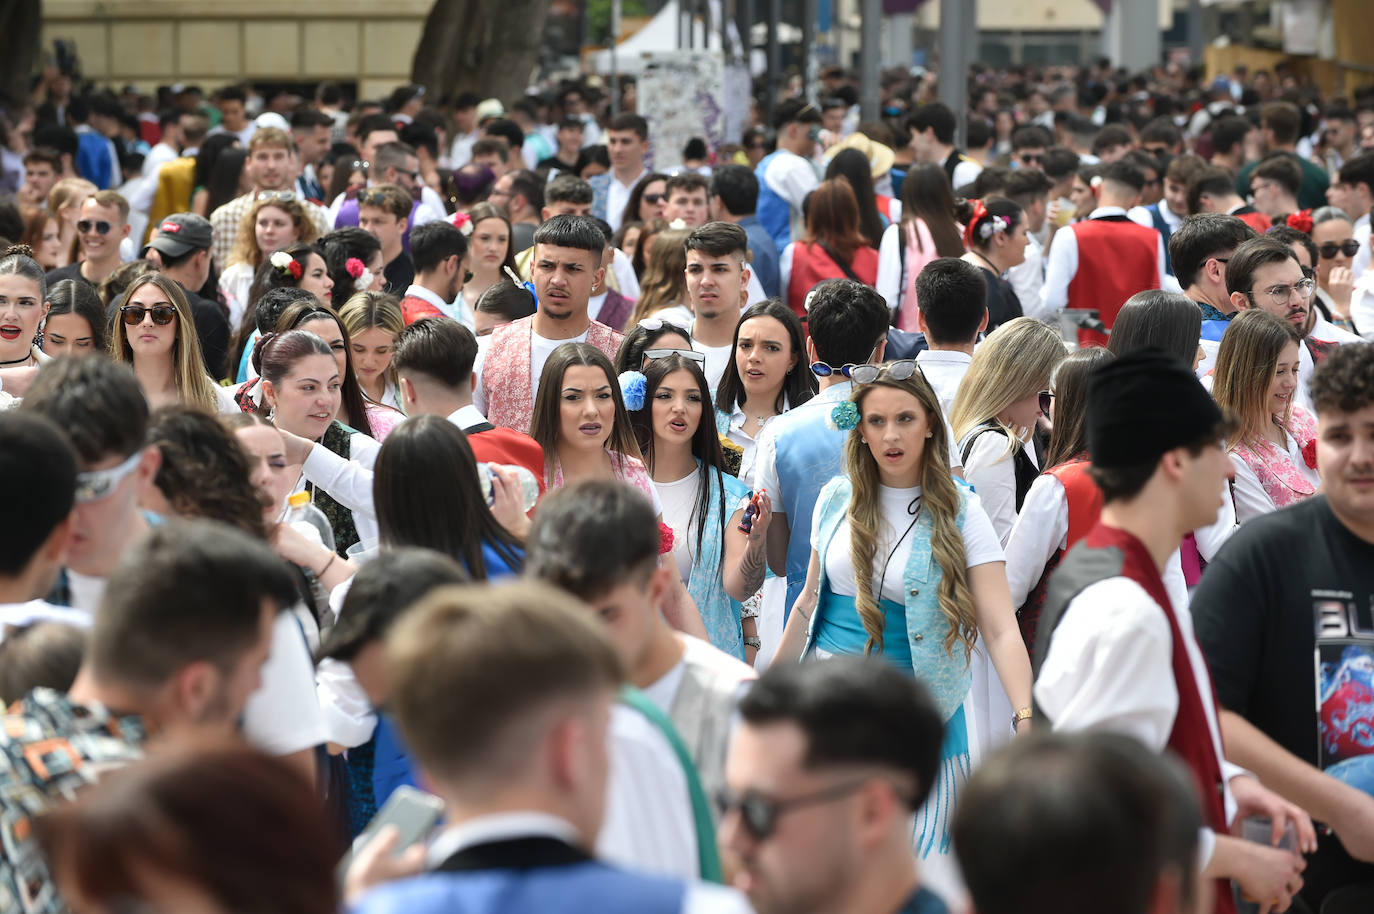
pixel 101 228
pixel 760 813
pixel 1349 247
pixel 162 314
pixel 1046 401
pixel 655 324
pixel 655 354
pixel 654 199
pixel 1032 158
pixel 93 485
pixel 899 370
pixel 285 196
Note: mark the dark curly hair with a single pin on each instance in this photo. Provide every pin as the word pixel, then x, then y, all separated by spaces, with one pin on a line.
pixel 204 472
pixel 1344 380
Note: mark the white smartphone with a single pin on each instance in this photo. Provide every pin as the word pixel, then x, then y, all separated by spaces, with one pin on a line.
pixel 413 811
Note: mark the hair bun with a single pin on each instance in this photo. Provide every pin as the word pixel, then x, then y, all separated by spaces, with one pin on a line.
pixel 256 358
pixel 18 250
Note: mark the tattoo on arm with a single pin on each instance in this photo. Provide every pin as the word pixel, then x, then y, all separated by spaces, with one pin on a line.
pixel 752 567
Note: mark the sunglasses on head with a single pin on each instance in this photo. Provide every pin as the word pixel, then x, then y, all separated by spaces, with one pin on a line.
pixel 1349 247
pixel 655 324
pixel 93 485
pixel 899 370
pixel 285 196
pixel 101 227
pixel 654 354
pixel 162 314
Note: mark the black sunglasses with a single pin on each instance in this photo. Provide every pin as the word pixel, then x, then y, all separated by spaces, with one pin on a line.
pixel 162 314
pixel 101 228
pixel 760 812
pixel 1046 401
pixel 653 199
pixel 1349 247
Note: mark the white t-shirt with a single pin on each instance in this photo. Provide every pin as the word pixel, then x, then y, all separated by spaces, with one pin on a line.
pixel 679 504
pixel 981 545
pixel 283 715
pixel 717 361
pixel 87 591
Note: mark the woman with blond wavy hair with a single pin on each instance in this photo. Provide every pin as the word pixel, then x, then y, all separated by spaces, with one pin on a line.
pixel 905 564
pixel 995 410
pixel 156 335
pixel 274 221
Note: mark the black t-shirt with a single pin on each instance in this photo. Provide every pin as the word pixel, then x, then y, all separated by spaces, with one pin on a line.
pixel 212 328
pixel 70 271
pixel 1285 615
pixel 400 273
pixel 1003 305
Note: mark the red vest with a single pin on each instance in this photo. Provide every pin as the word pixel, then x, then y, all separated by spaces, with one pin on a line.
pixel 1083 496
pixel 1116 259
pixel 413 308
pixel 1191 737
pixel 811 265
pixel 1257 221
pixel 507 446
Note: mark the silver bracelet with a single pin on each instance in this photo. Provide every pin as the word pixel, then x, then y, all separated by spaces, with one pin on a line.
pixel 753 641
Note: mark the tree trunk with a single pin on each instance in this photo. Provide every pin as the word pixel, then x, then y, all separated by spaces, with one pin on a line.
pixel 21 25
pixel 489 47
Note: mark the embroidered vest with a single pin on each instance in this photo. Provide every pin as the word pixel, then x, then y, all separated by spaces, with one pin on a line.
pixel 719 613
pixel 773 212
pixel 808 454
pixel 1116 259
pixel 944 673
pixel 413 308
pixel 1084 499
pixel 1107 552
pixel 1283 482
pixel 338 439
pixel 506 371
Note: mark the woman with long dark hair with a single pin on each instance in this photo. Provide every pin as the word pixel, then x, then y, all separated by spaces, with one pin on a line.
pixel 853 166
pixel 354 260
pixel 834 247
pixel 209 154
pixel 427 493
pixel 928 230
pixel 491 251
pixel 766 377
pixel 1063 503
pixel 702 503
pixel 647 200
pixel 906 565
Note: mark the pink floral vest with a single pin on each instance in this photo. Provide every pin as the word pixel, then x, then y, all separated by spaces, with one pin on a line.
pixel 506 371
pixel 1282 481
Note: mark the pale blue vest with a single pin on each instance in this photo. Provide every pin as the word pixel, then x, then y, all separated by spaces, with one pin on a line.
pixel 947 677
pixel 773 212
pixel 809 453
pixel 706 586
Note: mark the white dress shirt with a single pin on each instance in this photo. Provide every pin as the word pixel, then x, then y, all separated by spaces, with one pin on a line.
pixel 1028 279
pixel 348 481
pixel 944 369
pixel 458 310
pixel 617 195
pixel 991 470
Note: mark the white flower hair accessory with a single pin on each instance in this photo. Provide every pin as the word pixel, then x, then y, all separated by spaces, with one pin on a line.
pixel 677 224
pixel 992 226
pixel 364 282
pixel 281 260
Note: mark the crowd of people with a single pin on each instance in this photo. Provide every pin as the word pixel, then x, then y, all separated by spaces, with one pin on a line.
pixel 429 505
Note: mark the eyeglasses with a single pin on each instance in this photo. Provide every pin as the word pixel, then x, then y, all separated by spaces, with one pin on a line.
pixel 1349 247
pixel 162 314
pixel 93 485
pixel 654 199
pixel 285 196
pixel 899 370
pixel 1046 401
pixel 1281 295
pixel 760 813
pixel 101 228
pixel 654 354
pixel 1258 186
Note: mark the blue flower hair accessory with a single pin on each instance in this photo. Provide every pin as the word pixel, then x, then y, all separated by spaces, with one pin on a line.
pixel 844 417
pixel 633 387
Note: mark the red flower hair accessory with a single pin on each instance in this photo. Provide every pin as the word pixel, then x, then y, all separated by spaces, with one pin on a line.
pixel 1301 220
pixel 354 267
pixel 1309 454
pixel 980 211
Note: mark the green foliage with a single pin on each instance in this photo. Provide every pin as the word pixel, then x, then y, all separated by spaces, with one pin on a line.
pixel 599 17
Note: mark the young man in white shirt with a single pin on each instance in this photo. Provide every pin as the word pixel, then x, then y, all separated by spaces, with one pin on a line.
pixel 718 284
pixel 687 193
pixel 1113 651
pixel 1352 189
pixel 954 310
pixel 787 175
pixel 598 541
pixel 627 142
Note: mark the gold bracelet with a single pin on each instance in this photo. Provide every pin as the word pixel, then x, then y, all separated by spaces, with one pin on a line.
pixel 1020 715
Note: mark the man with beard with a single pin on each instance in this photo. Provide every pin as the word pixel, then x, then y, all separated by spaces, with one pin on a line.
pixel 439 251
